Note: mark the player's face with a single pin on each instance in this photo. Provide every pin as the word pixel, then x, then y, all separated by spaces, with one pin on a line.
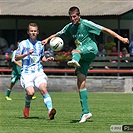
pixel 33 32
pixel 74 18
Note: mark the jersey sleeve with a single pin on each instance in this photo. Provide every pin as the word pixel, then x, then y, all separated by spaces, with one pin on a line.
pixel 13 56
pixel 64 31
pixel 92 27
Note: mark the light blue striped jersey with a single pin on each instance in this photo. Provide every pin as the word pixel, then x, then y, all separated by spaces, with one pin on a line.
pixel 31 63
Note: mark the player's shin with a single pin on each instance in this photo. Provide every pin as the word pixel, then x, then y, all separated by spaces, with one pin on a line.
pixel 8 92
pixel 83 94
pixel 47 101
pixel 76 56
pixel 27 101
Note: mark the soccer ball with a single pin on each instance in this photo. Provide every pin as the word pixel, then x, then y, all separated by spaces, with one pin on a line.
pixel 56 43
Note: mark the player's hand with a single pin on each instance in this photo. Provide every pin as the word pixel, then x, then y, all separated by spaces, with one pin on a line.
pixel 50 58
pixel 30 51
pixel 45 41
pixel 125 40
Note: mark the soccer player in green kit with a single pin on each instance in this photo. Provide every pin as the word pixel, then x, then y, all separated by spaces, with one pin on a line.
pixel 15 76
pixel 83 33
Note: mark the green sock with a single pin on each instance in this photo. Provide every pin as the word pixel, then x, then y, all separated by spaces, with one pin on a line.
pixel 76 56
pixel 27 101
pixel 8 92
pixel 84 100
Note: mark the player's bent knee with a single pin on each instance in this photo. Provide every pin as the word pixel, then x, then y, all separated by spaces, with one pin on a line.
pixel 30 92
pixel 75 50
pixel 43 91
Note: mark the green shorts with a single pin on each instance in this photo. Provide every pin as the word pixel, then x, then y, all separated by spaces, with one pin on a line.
pixel 87 57
pixel 15 78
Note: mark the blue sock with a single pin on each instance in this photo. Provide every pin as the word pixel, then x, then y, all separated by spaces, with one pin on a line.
pixel 47 101
pixel 27 101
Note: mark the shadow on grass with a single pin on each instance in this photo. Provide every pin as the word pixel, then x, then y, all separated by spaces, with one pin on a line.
pixel 34 117
pixel 77 121
pixel 74 121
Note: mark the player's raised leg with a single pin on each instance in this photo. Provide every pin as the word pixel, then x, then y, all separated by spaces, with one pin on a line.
pixel 75 59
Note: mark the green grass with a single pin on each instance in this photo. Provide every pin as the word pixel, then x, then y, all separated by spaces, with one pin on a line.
pixel 107 109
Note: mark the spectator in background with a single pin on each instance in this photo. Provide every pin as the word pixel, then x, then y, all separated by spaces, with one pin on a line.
pixel 109 44
pixel 9 51
pixel 8 54
pixel 11 48
pixel 101 53
pixel 125 54
pixel 3 44
pixel 131 48
pixel 101 50
pixel 114 52
pixel 48 51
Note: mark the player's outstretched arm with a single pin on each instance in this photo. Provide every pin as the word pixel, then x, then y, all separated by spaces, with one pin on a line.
pixel 45 41
pixel 50 59
pixel 47 59
pixel 114 34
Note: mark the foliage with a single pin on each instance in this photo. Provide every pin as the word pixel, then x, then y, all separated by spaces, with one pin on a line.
pixel 63 55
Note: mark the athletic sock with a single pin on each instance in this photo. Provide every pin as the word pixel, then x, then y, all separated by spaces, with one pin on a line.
pixel 8 92
pixel 84 100
pixel 27 101
pixel 47 101
pixel 76 56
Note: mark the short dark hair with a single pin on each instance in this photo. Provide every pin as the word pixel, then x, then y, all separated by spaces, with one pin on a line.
pixel 74 9
pixel 32 24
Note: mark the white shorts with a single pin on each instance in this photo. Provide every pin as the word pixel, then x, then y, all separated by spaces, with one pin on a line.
pixel 34 79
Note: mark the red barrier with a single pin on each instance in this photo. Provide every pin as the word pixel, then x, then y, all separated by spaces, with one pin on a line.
pixel 48 70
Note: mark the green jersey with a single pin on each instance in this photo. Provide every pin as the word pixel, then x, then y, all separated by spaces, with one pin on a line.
pixel 84 38
pixel 83 33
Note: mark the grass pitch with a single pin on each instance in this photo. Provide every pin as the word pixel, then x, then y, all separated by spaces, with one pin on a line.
pixel 107 109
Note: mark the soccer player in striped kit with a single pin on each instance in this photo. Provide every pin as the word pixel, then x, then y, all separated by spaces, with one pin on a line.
pixel 31 51
pixel 83 33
